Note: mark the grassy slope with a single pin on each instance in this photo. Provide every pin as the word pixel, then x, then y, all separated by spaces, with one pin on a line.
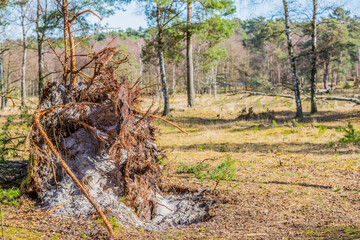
pixel 293 180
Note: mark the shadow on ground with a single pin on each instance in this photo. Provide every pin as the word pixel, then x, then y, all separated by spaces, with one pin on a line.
pixel 279 116
pixel 284 147
pixel 12 173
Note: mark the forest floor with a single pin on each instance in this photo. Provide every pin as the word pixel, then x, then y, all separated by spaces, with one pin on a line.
pixel 294 180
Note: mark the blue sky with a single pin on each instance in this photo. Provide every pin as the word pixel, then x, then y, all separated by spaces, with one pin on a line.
pixel 134 18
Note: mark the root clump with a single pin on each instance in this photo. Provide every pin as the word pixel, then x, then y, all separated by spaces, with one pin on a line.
pixel 95 129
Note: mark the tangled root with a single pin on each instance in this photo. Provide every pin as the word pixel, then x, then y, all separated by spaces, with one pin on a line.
pixel 106 109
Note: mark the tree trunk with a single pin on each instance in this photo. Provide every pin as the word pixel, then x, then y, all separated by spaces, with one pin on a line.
pixel 314 59
pixel 173 80
pixel 214 80
pixel 210 83
pixel 162 64
pixel 65 13
pixel 40 49
pixel 357 66
pixel 189 59
pixel 8 74
pixel 196 71
pixel 158 91
pixel 299 112
pixel 23 64
pixel 326 75
pixel 2 83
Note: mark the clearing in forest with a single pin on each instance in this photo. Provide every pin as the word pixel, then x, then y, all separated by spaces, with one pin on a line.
pixel 292 180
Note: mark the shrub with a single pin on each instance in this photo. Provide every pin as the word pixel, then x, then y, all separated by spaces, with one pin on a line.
pixel 193 169
pixel 347 85
pixel 225 171
pixel 9 196
pixel 351 135
pixel 322 129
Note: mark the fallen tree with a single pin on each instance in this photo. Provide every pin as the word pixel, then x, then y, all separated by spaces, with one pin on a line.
pixel 354 100
pixel 93 148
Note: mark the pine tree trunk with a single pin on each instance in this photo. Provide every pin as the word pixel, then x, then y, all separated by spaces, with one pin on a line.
pixel 40 50
pixel 214 79
pixel 173 80
pixel 23 64
pixel 8 74
pixel 314 59
pixel 326 76
pixel 162 65
pixel 210 83
pixel 189 59
pixel 299 112
pixel 2 83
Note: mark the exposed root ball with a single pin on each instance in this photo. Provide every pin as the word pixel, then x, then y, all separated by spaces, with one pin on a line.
pixel 96 130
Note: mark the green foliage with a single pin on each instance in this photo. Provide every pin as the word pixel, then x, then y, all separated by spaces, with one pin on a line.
pixel 254 84
pixel 162 160
pixel 100 36
pixel 347 85
pixel 9 196
pixel 194 169
pixel 225 171
pixel 351 136
pixel 114 223
pixel 322 129
pixel 295 123
pixel 336 189
pixel 26 118
pixel 11 141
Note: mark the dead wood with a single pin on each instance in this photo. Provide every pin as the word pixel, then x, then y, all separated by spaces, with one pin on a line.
pixel 354 100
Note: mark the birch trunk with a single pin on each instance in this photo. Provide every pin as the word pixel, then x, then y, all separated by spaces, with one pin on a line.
pixel 314 58
pixel 162 64
pixel 299 112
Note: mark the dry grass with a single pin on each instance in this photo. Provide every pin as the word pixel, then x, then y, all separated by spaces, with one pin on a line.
pixel 294 180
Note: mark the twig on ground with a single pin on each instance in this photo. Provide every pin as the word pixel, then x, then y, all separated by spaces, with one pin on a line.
pixel 55 208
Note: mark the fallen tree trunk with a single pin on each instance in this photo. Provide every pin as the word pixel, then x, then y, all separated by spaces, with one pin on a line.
pixel 354 100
